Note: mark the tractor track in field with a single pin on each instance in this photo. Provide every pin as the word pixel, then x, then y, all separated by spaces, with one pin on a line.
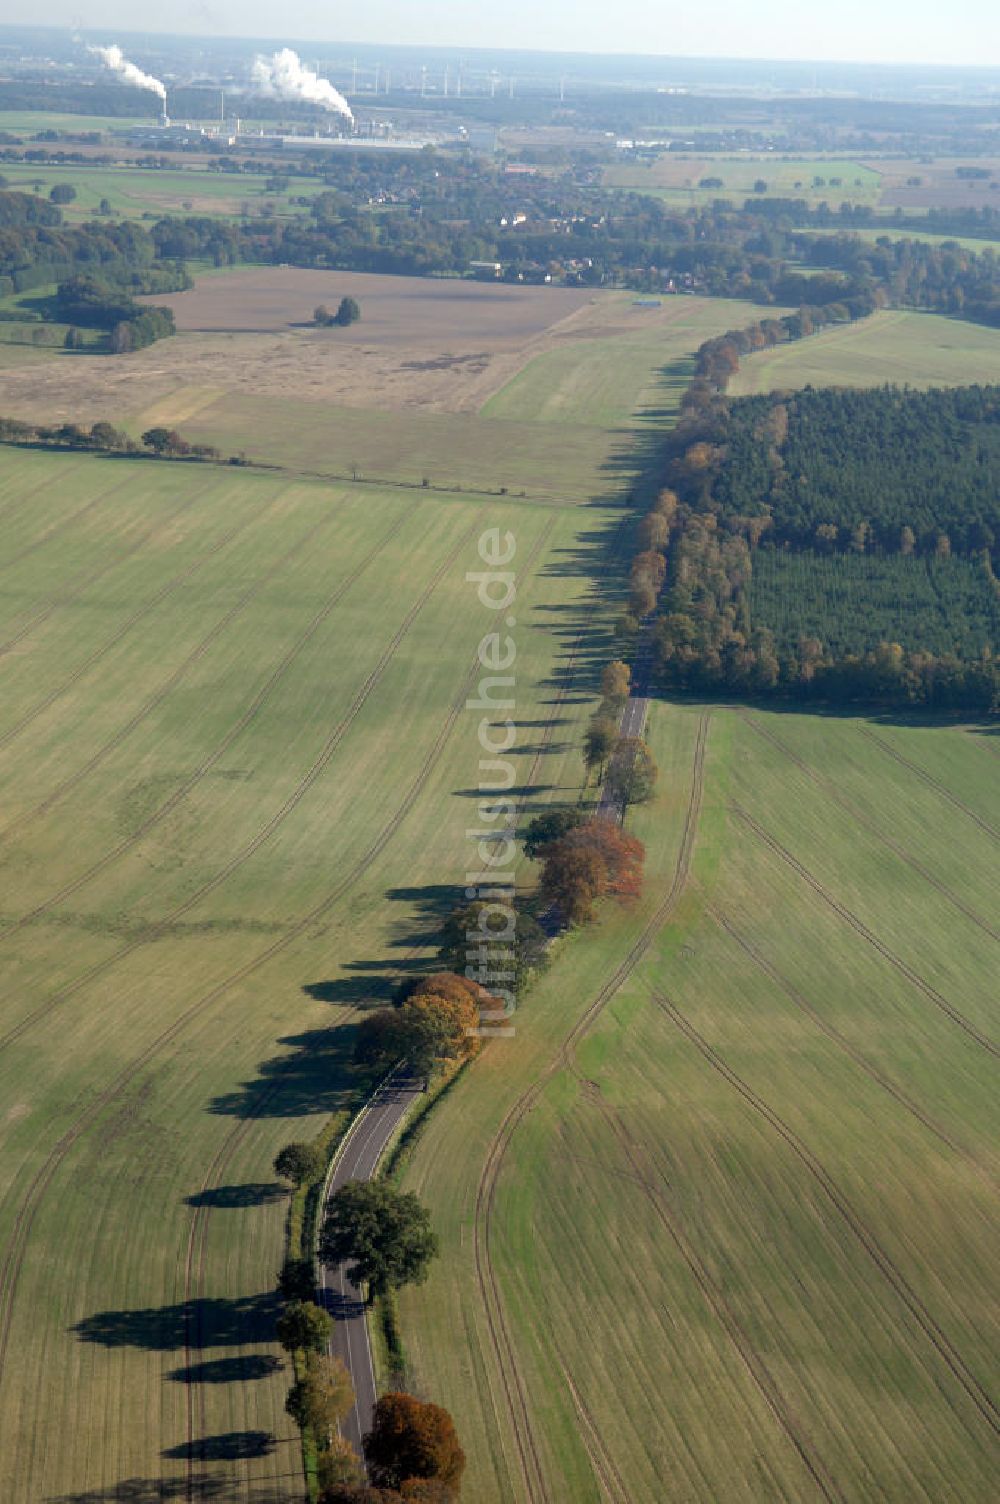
pixel 500 1339
pixel 15 1250
pixel 54 530
pixel 195 1262
pixel 240 857
pixel 755 1365
pixel 126 626
pixel 609 1479
pixel 932 782
pixel 18 503
pixel 88 577
pixel 860 928
pixel 146 709
pixel 829 786
pixel 842 1043
pixel 883 1261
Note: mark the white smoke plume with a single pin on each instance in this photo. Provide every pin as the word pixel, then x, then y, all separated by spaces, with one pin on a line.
pixel 114 58
pixel 285 76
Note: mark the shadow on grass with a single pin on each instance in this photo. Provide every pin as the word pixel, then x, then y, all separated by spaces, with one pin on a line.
pixel 310 1076
pixel 231 1446
pixel 152 1491
pixel 238 1322
pixel 236 1197
pixel 241 1370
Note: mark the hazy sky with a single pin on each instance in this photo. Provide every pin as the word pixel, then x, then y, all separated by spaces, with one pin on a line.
pixel 920 31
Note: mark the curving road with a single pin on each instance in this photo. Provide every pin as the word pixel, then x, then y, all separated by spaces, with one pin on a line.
pixel 358 1159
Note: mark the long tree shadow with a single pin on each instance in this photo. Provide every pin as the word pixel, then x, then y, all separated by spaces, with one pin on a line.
pixel 232 1446
pixel 238 1197
pixel 152 1491
pixel 240 1370
pixel 310 1076
pixel 239 1322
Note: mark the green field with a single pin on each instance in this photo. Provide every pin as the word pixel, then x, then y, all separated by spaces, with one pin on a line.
pixel 136 192
pixel 234 750
pixel 676 178
pixel 614 383
pixel 900 232
pixel 28 123
pixel 717 1222
pixel 922 349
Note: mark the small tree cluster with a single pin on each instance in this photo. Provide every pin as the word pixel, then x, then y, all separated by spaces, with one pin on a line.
pixel 632 773
pixel 413 1444
pixel 322 1397
pixel 505 948
pixel 602 732
pixel 169 444
pixel 299 1163
pixel 436 1021
pixel 385 1233
pixel 588 863
pixel 304 1326
pixel 348 312
pixel 549 827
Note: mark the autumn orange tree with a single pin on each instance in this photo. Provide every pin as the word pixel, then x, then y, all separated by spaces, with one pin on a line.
pixel 594 860
pixel 412 1441
pixel 436 1021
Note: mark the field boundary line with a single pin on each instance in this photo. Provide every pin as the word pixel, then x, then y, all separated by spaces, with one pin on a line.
pixel 886 1265
pixel 862 929
pixel 830 787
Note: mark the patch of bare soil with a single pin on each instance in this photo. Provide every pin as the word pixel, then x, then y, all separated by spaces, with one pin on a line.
pixel 440 346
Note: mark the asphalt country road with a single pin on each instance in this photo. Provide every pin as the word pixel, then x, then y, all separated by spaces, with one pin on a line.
pixel 358 1159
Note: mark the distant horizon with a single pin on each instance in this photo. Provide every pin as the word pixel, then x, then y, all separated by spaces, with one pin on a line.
pixel 778 34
